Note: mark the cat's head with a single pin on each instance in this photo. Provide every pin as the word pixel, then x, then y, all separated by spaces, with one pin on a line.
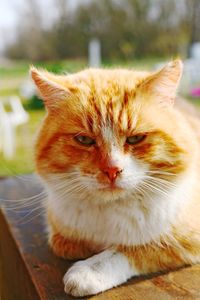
pixel 111 133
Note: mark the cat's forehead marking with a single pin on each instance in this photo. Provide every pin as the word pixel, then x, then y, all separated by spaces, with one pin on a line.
pixel 111 110
pixel 110 100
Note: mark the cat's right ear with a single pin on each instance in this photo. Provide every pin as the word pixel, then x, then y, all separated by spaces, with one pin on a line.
pixel 51 87
pixel 162 85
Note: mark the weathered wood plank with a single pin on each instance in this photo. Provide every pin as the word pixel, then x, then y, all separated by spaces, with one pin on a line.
pixel 29 269
pixel 45 269
pixel 15 280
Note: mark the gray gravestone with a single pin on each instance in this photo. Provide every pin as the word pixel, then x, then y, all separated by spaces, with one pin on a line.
pixel 94 52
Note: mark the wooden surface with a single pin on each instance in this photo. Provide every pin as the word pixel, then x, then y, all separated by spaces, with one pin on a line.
pixel 29 270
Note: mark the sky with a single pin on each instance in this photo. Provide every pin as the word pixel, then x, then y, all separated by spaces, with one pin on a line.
pixel 9 13
pixel 8 10
pixel 7 20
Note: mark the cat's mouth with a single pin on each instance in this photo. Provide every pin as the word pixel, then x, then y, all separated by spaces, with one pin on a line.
pixel 110 192
pixel 110 188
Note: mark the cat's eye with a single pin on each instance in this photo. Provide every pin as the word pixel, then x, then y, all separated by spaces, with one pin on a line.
pixel 84 140
pixel 135 139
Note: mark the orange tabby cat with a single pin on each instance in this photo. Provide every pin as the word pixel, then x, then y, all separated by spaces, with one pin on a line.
pixel 121 165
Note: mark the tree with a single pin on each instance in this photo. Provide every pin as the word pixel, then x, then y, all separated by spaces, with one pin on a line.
pixel 126 29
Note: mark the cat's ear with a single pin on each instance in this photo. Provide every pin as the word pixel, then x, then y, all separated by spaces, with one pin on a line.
pixel 50 86
pixel 163 84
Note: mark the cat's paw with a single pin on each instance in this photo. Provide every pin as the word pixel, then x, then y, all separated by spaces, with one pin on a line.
pixel 97 274
pixel 82 280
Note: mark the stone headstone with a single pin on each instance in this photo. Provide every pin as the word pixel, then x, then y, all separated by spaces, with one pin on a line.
pixel 94 52
pixel 195 51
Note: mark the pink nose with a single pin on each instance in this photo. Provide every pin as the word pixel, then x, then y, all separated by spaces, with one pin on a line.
pixel 112 172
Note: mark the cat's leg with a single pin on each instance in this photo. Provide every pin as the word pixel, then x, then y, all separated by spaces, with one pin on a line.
pixel 98 273
pixel 114 267
pixel 152 257
pixel 72 248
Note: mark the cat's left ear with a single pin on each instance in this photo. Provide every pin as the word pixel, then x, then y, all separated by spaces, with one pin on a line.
pixel 163 84
pixel 50 86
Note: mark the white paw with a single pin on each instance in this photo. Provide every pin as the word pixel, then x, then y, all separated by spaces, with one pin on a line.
pixel 82 280
pixel 97 274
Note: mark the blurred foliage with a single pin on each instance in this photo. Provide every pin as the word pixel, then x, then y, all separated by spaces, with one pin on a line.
pixel 34 103
pixel 127 29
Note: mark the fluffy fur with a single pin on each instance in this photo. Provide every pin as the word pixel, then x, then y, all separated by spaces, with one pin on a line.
pixel 132 208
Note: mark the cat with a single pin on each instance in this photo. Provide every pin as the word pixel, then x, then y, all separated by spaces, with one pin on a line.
pixel 119 155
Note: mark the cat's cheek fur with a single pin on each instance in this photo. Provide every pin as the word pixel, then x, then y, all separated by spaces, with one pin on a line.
pixel 98 273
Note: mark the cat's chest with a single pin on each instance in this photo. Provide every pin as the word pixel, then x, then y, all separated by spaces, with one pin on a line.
pixel 112 224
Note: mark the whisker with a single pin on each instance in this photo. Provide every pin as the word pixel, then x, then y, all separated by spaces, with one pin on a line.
pixel 160 183
pixel 20 206
pixel 154 188
pixel 65 192
pixel 30 219
pixel 43 193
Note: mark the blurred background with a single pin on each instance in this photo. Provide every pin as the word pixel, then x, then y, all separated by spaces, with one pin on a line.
pixel 68 35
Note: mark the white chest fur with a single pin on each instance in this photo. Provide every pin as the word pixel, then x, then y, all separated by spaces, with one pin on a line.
pixel 134 222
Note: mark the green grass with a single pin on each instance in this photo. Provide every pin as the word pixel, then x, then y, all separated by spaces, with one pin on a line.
pixel 140 64
pixel 21 68
pixel 15 69
pixel 8 92
pixel 13 76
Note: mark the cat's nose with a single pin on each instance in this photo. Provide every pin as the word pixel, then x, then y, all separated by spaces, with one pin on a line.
pixel 112 172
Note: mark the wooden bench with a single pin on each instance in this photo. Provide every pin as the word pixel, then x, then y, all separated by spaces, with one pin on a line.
pixel 30 271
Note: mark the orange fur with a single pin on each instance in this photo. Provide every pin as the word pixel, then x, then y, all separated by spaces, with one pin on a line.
pixel 71 249
pixel 153 258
